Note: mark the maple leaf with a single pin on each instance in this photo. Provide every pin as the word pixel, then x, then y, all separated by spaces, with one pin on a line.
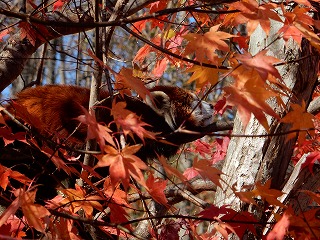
pixel 203 75
pixel 264 191
pixel 6 173
pixel 117 198
pixel 241 41
pixel 95 130
pixel 221 106
pixel 280 230
pixel 213 211
pixel 13 228
pixel 55 158
pixel 262 63
pixel 170 230
pixel 221 146
pixel 251 98
pixel 171 171
pixel 300 120
pixel 77 199
pixel 34 213
pixel 237 221
pixel 297 25
pixel 59 4
pixel 156 189
pixel 125 79
pixel 252 13
pixel 160 67
pixel 146 49
pixel 204 45
pixel 115 194
pixel 309 34
pixel 158 5
pixel 305 225
pixel 118 214
pixel 201 147
pixel 130 122
pixel 206 170
pixel 290 31
pixel 139 26
pixel 64 229
pixel 223 228
pixel 214 151
pixel 35 33
pixel 268 194
pixel 123 164
pixel 190 173
pixel 8 137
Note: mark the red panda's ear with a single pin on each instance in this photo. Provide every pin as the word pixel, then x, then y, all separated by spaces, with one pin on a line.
pixel 159 101
pixel 161 104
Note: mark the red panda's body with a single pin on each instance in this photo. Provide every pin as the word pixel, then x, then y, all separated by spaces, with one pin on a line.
pixel 57 107
pixel 53 110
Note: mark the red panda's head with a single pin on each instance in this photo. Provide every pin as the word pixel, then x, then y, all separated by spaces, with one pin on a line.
pixel 180 108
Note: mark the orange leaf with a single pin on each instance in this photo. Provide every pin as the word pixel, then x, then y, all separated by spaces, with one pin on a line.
pixel 156 189
pixel 203 75
pixel 34 213
pixel 204 45
pixel 115 194
pixel 262 63
pixel 252 13
pixel 300 120
pixel 5 173
pixel 280 230
pixel 206 170
pixel 125 79
pixel 130 122
pixel 267 194
pixel 264 191
pixel 78 200
pixel 10 211
pixel 251 98
pixel 171 171
pixel 95 130
pixel 123 164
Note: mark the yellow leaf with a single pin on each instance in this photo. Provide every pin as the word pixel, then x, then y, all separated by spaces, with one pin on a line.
pixel 204 75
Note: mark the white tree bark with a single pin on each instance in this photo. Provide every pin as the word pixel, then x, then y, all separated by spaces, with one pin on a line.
pixel 252 159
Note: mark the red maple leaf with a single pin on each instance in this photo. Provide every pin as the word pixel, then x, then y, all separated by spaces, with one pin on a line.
pixel 8 137
pixel 156 189
pixel 280 230
pixel 206 170
pixel 130 122
pixel 123 164
pixel 95 130
pixel 77 199
pixel 6 173
pixel 59 4
pixel 262 63
pixel 34 213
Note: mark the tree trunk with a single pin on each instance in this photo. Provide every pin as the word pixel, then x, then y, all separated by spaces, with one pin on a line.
pixel 253 159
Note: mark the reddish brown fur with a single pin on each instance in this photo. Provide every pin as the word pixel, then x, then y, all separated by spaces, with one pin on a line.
pixel 57 107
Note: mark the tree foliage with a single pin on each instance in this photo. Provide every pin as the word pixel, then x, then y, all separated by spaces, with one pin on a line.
pixel 259 59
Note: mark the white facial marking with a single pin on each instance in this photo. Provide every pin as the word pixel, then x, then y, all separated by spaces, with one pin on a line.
pixel 202 113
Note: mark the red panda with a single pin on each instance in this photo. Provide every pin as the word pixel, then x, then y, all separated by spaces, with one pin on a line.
pixel 57 108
